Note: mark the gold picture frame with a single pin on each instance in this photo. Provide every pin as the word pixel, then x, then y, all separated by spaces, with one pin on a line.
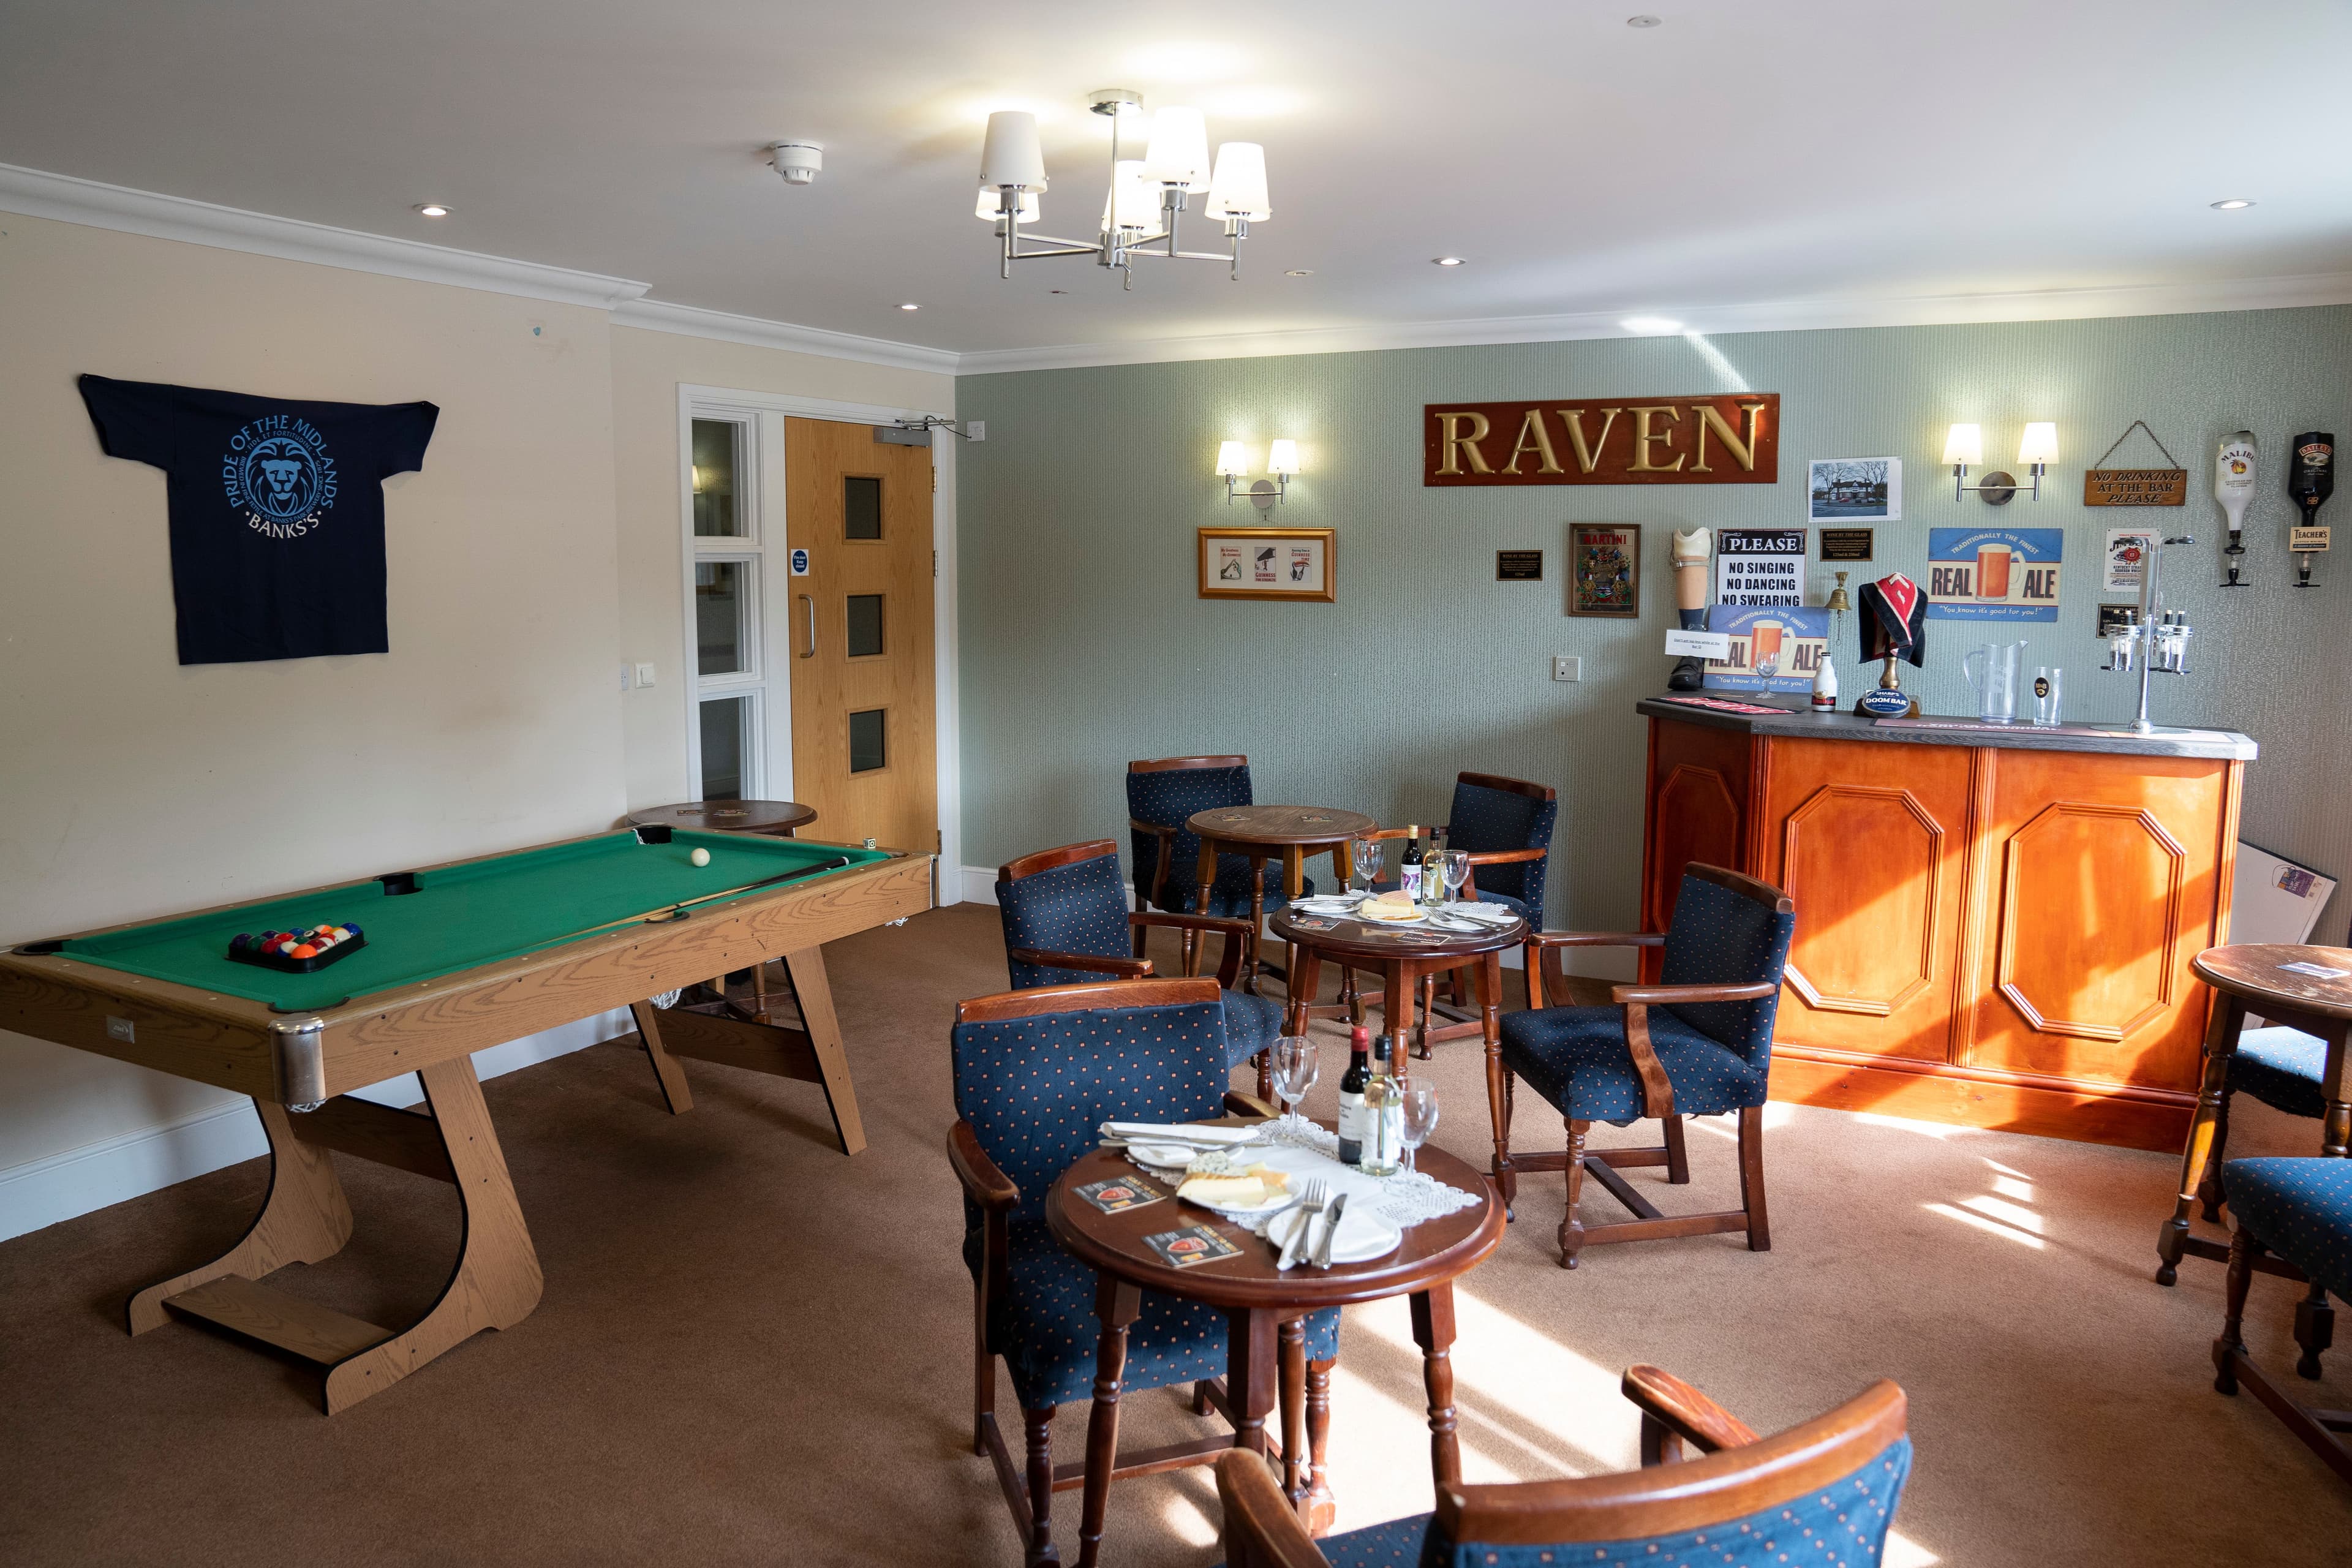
pixel 1604 570
pixel 1294 564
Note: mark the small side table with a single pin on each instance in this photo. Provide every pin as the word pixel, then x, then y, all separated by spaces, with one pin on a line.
pixel 2250 979
pixel 774 818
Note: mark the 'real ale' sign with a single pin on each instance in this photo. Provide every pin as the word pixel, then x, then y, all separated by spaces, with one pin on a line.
pixel 1732 438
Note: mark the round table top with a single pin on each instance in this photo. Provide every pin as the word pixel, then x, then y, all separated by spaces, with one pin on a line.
pixel 1378 939
pixel 1279 824
pixel 1433 1251
pixel 728 815
pixel 2253 971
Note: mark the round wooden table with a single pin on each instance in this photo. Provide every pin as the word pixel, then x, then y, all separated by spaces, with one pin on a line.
pixel 1263 833
pixel 2253 979
pixel 1401 955
pixel 777 819
pixel 1265 1312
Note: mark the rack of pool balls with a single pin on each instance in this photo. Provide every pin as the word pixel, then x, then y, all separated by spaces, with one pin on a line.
pixel 297 951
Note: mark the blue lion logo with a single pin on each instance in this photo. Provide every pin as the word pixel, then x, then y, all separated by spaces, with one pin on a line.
pixel 277 472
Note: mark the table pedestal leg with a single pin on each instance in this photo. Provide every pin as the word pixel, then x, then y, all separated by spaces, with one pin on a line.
pixel 1204 875
pixel 2220 1042
pixel 1117 1303
pixel 1396 1008
pixel 1249 1375
pixel 1433 1331
pixel 1321 1507
pixel 1296 1467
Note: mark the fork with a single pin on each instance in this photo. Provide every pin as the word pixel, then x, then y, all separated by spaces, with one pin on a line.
pixel 1312 1199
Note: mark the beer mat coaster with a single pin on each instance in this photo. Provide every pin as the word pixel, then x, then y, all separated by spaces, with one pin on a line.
pixel 2316 970
pixel 1314 923
pixel 1722 706
pixel 1192 1247
pixel 1118 1192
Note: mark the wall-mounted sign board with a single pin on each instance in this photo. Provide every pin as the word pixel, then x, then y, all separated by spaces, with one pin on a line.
pixel 1847 543
pixel 1732 438
pixel 1994 573
pixel 1519 566
pixel 2135 487
pixel 1760 566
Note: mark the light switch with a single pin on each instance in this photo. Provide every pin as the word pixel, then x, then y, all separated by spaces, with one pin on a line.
pixel 1567 666
pixel 644 675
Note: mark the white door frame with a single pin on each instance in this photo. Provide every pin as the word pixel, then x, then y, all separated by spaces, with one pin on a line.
pixel 947 883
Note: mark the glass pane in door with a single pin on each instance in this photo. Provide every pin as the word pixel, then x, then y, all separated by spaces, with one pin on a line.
pixel 718 463
pixel 863 619
pixel 861 507
pixel 722 643
pixel 866 745
pixel 726 735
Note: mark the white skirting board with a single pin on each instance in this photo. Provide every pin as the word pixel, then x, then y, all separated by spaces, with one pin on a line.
pixel 41 1193
pixel 1602 964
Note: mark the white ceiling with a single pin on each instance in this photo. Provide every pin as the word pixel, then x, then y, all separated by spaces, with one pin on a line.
pixel 1746 151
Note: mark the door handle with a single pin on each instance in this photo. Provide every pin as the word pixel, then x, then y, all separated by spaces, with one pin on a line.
pixel 810 651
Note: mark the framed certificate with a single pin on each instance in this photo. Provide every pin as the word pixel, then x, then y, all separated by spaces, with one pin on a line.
pixel 1268 563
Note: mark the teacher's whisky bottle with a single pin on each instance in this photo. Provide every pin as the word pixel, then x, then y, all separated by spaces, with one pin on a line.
pixel 2310 479
pixel 1352 1095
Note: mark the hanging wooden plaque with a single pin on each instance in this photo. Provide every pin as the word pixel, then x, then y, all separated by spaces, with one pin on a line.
pixel 2135 487
pixel 1715 438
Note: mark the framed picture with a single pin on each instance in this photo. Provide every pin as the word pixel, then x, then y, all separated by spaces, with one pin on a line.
pixel 1854 490
pixel 1604 569
pixel 1268 563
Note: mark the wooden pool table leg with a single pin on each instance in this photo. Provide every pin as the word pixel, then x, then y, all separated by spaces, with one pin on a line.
pixel 806 971
pixel 666 1071
pixel 497 1280
pixel 304 1219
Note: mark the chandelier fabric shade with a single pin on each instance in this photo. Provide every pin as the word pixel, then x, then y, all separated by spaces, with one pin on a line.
pixel 1238 188
pixel 1131 198
pixel 1178 153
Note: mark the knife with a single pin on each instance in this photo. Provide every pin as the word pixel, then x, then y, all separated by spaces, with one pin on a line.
pixel 1323 1253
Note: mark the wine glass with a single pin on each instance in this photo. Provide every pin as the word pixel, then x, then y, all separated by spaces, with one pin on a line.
pixel 1420 1113
pixel 1295 1072
pixel 1364 857
pixel 1456 866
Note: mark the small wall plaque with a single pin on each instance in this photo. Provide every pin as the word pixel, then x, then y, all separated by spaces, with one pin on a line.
pixel 1847 543
pixel 2135 487
pixel 1519 566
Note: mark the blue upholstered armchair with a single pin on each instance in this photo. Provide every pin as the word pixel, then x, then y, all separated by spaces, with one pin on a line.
pixel 1036 1072
pixel 1163 796
pixel 1818 1494
pixel 2301 1210
pixel 1066 922
pixel 2286 1071
pixel 1698 1043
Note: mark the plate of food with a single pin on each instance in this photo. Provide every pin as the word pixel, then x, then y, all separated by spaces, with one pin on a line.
pixel 1258 1190
pixel 1391 909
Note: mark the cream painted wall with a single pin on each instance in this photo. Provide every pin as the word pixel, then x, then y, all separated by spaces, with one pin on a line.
pixel 131 786
pixel 648 367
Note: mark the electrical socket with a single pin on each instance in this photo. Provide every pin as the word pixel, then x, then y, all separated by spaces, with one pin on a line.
pixel 977 430
pixel 1567 666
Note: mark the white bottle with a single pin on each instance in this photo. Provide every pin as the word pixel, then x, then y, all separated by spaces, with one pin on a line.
pixel 1825 684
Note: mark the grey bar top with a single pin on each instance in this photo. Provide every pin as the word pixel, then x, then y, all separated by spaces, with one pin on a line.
pixel 1800 723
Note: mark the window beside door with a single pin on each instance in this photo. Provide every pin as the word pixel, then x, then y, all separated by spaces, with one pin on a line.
pixel 727 577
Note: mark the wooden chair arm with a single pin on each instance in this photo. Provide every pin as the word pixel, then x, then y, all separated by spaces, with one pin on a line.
pixel 1159 830
pixel 1657 1089
pixel 1673 1412
pixel 1240 1104
pixel 1262 1528
pixel 1659 996
pixel 1504 856
pixel 1093 963
pixel 986 1185
pixel 1167 837
pixel 1194 922
pixel 1597 939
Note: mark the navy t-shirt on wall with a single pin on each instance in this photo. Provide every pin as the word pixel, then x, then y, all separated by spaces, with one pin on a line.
pixel 277 512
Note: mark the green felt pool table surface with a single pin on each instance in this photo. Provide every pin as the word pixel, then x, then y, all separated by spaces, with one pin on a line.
pixel 459 917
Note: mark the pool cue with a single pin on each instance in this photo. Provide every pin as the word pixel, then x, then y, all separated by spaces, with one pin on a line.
pixel 677 910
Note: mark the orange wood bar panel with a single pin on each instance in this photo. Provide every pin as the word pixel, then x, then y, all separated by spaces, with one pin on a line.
pixel 1993 936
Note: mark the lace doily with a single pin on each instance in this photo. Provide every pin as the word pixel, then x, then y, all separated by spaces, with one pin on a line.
pixel 1406 1198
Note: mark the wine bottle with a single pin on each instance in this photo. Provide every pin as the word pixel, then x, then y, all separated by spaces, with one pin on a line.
pixel 1409 869
pixel 1433 868
pixel 1352 1095
pixel 2310 479
pixel 1384 1122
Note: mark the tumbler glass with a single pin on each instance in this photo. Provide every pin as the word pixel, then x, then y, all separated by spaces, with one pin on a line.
pixel 2046 685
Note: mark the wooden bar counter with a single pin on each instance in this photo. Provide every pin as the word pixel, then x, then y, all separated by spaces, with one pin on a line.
pixel 1994 926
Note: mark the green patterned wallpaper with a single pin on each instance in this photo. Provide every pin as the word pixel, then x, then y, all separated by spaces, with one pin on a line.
pixel 1083 645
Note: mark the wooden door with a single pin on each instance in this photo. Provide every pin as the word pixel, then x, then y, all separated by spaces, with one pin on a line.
pixel 1871 843
pixel 2103 877
pixel 863 678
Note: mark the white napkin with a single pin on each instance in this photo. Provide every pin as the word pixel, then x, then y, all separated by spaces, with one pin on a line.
pixel 1493 914
pixel 1190 1133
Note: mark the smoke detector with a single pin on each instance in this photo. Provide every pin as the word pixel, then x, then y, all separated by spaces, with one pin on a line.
pixel 799 163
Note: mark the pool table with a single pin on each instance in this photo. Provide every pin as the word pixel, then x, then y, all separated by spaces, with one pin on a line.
pixel 456 958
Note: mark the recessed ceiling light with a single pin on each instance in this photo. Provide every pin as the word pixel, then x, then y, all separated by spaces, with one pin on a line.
pixel 2232 204
pixel 1644 21
pixel 910 307
pixel 1057 290
pixel 1300 272
pixel 1447 261
pixel 1652 324
pixel 431 210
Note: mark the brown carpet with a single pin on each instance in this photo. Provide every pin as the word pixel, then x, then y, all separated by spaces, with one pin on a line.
pixel 752 1350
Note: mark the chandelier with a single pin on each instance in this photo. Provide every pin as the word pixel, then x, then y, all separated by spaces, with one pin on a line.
pixel 1148 195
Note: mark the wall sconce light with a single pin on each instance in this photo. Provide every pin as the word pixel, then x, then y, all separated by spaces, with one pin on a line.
pixel 1964 449
pixel 1281 462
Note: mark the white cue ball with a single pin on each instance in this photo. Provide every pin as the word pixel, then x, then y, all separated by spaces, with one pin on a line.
pixel 700 857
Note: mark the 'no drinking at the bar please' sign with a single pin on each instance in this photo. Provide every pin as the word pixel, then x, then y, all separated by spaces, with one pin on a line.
pixel 1993 573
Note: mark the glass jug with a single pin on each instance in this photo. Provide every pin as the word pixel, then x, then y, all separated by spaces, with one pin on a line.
pixel 1992 671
